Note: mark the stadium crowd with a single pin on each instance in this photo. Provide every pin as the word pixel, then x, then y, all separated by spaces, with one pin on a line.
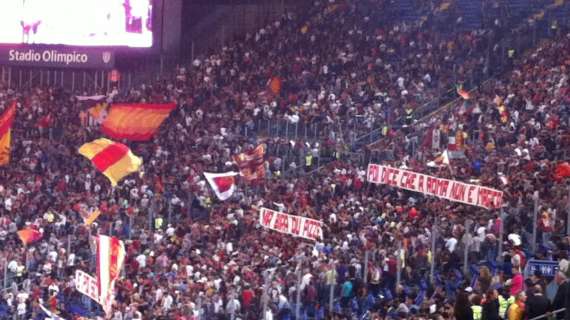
pixel 190 256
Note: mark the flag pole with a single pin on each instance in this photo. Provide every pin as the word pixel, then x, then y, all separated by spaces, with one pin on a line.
pixel 130 226
pixel 265 298
pixel 433 240
pixel 568 213
pixel 5 273
pixel 467 244
pixel 399 264
pixel 534 220
pixel 299 279
pixel 332 285
pixel 501 234
pixel 365 276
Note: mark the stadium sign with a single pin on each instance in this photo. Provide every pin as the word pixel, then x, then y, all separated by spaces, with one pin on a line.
pixel 65 57
pixel 546 267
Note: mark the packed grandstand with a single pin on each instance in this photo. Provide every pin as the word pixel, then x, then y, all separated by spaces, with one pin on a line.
pixel 275 178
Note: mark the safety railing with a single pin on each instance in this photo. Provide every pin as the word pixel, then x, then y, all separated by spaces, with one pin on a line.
pixel 549 315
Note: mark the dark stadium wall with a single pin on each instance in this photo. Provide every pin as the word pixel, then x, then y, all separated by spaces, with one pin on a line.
pixel 170 26
pixel 208 24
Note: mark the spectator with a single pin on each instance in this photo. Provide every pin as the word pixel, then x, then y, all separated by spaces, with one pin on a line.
pixel 537 304
pixel 462 308
pixel 491 305
pixel 517 310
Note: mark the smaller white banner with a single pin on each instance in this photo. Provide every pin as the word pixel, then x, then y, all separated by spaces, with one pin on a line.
pixel 87 285
pixel 297 226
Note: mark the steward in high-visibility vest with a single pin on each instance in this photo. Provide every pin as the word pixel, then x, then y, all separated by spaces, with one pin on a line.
pixel 477 312
pixel 158 223
pixel 504 305
pixel 511 53
pixel 308 160
pixel 476 308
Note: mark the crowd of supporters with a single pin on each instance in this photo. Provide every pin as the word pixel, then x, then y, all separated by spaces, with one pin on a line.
pixel 190 256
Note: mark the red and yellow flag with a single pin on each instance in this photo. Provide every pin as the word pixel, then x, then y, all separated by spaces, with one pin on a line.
pixel 97 112
pixel 29 235
pixel 251 163
pixel 91 217
pixel 135 122
pixel 275 85
pixel 463 93
pixel 110 258
pixel 114 160
pixel 5 133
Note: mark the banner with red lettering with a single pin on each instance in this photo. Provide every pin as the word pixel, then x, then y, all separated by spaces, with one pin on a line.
pixel 456 191
pixel 296 226
pixel 87 285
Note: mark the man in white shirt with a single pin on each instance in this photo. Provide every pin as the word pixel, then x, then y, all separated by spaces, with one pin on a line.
pixel 233 307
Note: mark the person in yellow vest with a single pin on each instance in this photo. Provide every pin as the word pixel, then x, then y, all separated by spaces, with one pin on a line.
pixel 476 307
pixel 158 221
pixel 516 310
pixel 504 302
pixel 308 161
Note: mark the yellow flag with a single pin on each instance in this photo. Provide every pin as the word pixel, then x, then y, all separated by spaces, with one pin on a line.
pixel 5 148
pixel 92 217
pixel 97 111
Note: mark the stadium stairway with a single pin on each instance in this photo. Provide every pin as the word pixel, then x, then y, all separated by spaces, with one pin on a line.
pixel 559 10
pixel 519 8
pixel 472 12
pixel 408 11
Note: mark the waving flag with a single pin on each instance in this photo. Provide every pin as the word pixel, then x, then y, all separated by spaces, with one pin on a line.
pixel 223 184
pixel 98 112
pixel 29 235
pixel 50 315
pixel 91 217
pixel 463 93
pixel 251 163
pixel 6 134
pixel 114 160
pixel 110 257
pixel 45 121
pixel 91 98
pixel 135 122
pixel 442 159
pixel 275 85
pixel 562 171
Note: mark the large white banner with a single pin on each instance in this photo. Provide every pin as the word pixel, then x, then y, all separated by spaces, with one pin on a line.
pixel 86 284
pixel 456 191
pixel 293 225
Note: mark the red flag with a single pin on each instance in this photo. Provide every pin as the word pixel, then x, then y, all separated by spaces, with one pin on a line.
pixel 29 235
pixel 275 85
pixel 463 93
pixel 45 121
pixel 562 171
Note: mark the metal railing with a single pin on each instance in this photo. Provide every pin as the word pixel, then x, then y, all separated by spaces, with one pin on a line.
pixel 549 315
